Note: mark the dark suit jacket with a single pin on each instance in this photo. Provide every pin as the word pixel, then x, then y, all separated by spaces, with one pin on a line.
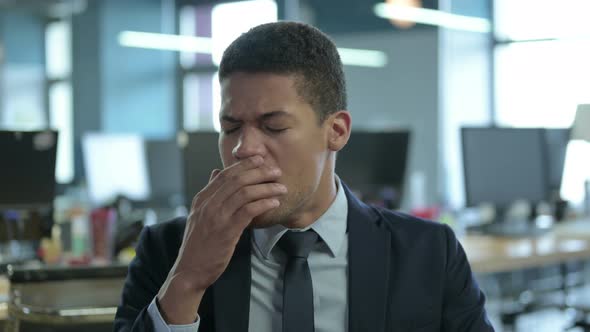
pixel 404 274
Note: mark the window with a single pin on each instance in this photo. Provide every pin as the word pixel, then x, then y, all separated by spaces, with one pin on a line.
pixel 540 84
pixel 60 118
pixel 201 90
pixel 21 97
pixel 542 72
pixel 58 57
pixel 541 19
pixel 243 15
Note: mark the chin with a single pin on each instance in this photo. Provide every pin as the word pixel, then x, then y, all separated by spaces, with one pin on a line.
pixel 268 219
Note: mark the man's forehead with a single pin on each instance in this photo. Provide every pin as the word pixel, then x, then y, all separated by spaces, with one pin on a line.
pixel 267 85
pixel 228 114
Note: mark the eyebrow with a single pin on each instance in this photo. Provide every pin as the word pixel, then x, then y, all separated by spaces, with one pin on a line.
pixel 273 114
pixel 230 119
pixel 264 116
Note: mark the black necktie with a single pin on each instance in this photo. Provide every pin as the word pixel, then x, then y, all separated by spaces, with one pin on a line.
pixel 297 287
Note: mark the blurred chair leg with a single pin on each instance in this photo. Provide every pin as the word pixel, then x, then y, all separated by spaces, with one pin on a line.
pixel 580 322
pixel 509 321
pixel 584 324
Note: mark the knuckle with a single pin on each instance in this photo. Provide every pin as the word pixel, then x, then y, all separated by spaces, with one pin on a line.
pixel 234 178
pixel 250 210
pixel 238 180
pixel 222 175
pixel 244 193
pixel 200 199
pixel 196 200
pixel 254 160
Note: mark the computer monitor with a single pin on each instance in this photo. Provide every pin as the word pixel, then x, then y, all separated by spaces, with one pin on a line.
pixel 165 172
pixel 503 165
pixel 27 169
pixel 373 164
pixel 115 165
pixel 200 155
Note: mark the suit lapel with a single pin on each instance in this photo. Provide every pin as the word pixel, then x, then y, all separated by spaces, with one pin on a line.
pixel 368 268
pixel 231 292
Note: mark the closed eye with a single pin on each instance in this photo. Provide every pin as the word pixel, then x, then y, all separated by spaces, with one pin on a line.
pixel 276 130
pixel 230 130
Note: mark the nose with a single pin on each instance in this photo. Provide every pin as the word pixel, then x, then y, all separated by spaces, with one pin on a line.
pixel 249 144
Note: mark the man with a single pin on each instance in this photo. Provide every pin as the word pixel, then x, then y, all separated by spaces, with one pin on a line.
pixel 275 241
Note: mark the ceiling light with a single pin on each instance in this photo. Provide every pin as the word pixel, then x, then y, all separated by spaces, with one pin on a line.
pixel 362 58
pixel 159 41
pixel 432 17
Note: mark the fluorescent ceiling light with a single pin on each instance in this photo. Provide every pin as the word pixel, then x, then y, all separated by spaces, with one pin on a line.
pixel 362 58
pixel 432 17
pixel 159 41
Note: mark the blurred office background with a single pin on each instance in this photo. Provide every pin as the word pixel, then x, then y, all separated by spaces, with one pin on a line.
pixel 463 112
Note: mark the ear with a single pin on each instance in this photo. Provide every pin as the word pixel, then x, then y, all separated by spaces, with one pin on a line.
pixel 338 130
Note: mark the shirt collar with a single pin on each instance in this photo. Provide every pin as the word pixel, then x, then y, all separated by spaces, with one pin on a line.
pixel 331 227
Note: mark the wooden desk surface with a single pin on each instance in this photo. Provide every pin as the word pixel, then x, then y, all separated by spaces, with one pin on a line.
pixel 4 289
pixel 490 254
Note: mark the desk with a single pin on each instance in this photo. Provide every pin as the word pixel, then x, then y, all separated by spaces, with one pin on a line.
pixel 58 295
pixel 491 254
pixel 4 292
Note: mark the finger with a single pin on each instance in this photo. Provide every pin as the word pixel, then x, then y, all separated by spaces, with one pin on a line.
pixel 230 171
pixel 195 199
pixel 259 175
pixel 217 179
pixel 251 210
pixel 214 174
pixel 251 194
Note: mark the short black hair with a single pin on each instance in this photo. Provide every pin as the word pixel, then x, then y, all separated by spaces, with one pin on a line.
pixel 292 48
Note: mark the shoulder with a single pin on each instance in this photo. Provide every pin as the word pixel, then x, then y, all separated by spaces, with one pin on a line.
pixel 171 229
pixel 401 226
pixel 166 235
pixel 407 231
pixel 395 221
pixel 162 241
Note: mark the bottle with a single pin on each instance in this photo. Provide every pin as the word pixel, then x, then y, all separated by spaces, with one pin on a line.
pixel 51 248
pixel 80 235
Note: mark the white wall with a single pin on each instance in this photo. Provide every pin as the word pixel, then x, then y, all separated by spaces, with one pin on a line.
pixel 465 100
pixel 403 94
pixel 435 82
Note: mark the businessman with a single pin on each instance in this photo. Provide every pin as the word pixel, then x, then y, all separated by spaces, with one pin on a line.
pixel 276 241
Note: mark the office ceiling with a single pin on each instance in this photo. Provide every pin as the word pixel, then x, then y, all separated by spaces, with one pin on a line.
pixel 349 16
pixel 30 3
pixel 46 7
pixel 336 16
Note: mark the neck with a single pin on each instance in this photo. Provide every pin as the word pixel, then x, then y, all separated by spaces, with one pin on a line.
pixel 317 204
